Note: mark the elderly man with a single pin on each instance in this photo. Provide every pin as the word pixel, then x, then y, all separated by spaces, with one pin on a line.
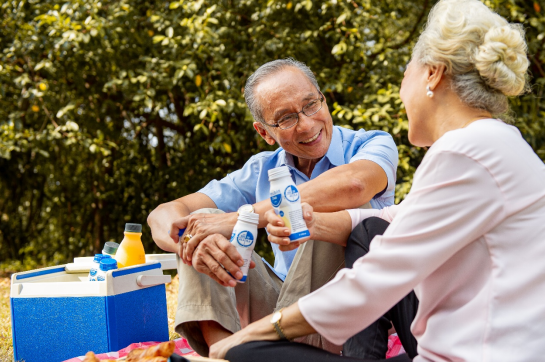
pixel 334 168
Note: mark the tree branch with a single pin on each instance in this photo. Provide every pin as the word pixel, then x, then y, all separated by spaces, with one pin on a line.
pixel 414 29
pixel 161 122
pixel 179 107
pixel 538 66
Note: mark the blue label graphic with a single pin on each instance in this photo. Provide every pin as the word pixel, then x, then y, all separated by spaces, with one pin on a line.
pixel 291 193
pixel 232 237
pixel 299 235
pixel 281 213
pixel 100 278
pixel 245 238
pixel 276 198
pixel 93 272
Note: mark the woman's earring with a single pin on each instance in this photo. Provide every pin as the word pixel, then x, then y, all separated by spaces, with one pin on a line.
pixel 429 93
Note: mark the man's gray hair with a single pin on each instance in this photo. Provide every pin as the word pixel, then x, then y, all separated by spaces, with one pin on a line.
pixel 263 72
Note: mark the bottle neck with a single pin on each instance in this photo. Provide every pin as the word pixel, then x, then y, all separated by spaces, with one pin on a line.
pixel 132 236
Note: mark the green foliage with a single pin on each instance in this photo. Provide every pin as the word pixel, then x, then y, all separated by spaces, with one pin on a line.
pixel 109 108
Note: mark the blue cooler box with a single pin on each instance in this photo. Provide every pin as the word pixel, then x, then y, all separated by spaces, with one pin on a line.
pixel 56 314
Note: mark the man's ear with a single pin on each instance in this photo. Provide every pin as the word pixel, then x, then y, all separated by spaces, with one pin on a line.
pixel 260 128
pixel 435 75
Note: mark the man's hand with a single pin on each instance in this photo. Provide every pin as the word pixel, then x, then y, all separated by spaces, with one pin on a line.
pixel 215 256
pixel 162 218
pixel 197 228
pixel 279 233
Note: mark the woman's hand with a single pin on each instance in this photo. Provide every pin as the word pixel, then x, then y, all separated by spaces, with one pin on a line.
pixel 279 233
pixel 220 349
pixel 293 323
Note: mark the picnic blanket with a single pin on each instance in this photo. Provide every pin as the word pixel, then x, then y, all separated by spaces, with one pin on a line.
pixel 183 349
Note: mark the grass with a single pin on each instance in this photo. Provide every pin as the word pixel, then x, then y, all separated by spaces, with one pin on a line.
pixel 6 346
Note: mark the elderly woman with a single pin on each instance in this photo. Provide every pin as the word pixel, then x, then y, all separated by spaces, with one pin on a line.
pixel 470 236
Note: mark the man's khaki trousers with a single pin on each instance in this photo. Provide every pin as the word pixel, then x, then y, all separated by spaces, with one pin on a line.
pixel 202 299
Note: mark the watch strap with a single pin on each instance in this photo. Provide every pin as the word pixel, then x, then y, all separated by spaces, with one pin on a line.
pixel 278 328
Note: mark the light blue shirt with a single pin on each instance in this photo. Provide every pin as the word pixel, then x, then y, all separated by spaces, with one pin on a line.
pixel 251 184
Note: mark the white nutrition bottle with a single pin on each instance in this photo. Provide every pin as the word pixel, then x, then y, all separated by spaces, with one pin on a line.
pixel 244 237
pixel 286 202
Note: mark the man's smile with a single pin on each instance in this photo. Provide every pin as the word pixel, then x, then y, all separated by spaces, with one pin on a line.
pixel 312 139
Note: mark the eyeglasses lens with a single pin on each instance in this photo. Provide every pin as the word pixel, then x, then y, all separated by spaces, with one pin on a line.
pixel 313 107
pixel 291 119
pixel 288 121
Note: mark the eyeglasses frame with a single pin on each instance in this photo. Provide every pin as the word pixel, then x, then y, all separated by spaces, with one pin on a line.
pixel 322 98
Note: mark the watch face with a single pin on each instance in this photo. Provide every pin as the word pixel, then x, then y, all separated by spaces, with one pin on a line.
pixel 276 317
pixel 246 208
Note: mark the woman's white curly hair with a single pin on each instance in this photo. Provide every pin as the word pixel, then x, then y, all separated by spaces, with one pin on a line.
pixel 484 55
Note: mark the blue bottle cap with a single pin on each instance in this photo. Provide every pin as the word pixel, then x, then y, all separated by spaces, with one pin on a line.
pixel 99 257
pixel 108 264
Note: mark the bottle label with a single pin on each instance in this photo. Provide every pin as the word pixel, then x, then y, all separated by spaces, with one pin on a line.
pixel 93 272
pixel 276 198
pixel 100 278
pixel 299 235
pixel 245 238
pixel 293 220
pixel 291 193
pixel 232 237
pixel 283 213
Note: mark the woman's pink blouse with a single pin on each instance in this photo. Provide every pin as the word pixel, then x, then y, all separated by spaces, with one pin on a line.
pixel 470 240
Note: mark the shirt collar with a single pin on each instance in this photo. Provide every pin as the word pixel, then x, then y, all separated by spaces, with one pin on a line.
pixel 335 152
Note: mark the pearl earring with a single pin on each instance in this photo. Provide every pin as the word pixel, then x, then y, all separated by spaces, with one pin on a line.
pixel 429 93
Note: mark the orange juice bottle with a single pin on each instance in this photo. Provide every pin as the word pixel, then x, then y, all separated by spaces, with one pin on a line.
pixel 131 251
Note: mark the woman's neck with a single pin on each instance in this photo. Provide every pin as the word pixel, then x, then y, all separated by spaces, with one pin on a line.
pixel 455 115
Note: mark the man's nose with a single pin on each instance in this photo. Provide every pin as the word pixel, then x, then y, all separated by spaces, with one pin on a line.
pixel 305 122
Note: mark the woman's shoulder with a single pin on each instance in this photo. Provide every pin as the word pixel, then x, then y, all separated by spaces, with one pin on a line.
pixel 481 136
pixel 496 146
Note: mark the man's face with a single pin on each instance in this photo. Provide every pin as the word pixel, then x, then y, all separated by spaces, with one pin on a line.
pixel 288 91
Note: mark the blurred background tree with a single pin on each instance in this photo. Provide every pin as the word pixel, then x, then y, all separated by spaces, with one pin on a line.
pixel 109 108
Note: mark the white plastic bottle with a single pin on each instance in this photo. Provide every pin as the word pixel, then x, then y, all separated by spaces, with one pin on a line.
pixel 110 248
pixel 105 265
pixel 96 266
pixel 244 237
pixel 286 202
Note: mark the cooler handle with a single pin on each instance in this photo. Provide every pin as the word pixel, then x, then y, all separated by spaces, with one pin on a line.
pixel 151 280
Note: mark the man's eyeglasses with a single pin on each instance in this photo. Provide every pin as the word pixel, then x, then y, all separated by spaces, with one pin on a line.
pixel 290 120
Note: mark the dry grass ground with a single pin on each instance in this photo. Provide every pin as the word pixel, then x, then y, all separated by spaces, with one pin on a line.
pixel 6 347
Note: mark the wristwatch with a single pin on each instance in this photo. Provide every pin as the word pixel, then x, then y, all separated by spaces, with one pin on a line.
pixel 275 321
pixel 248 208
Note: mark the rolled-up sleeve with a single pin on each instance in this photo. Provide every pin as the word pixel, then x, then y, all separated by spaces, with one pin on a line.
pixel 455 202
pixel 237 188
pixel 382 150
